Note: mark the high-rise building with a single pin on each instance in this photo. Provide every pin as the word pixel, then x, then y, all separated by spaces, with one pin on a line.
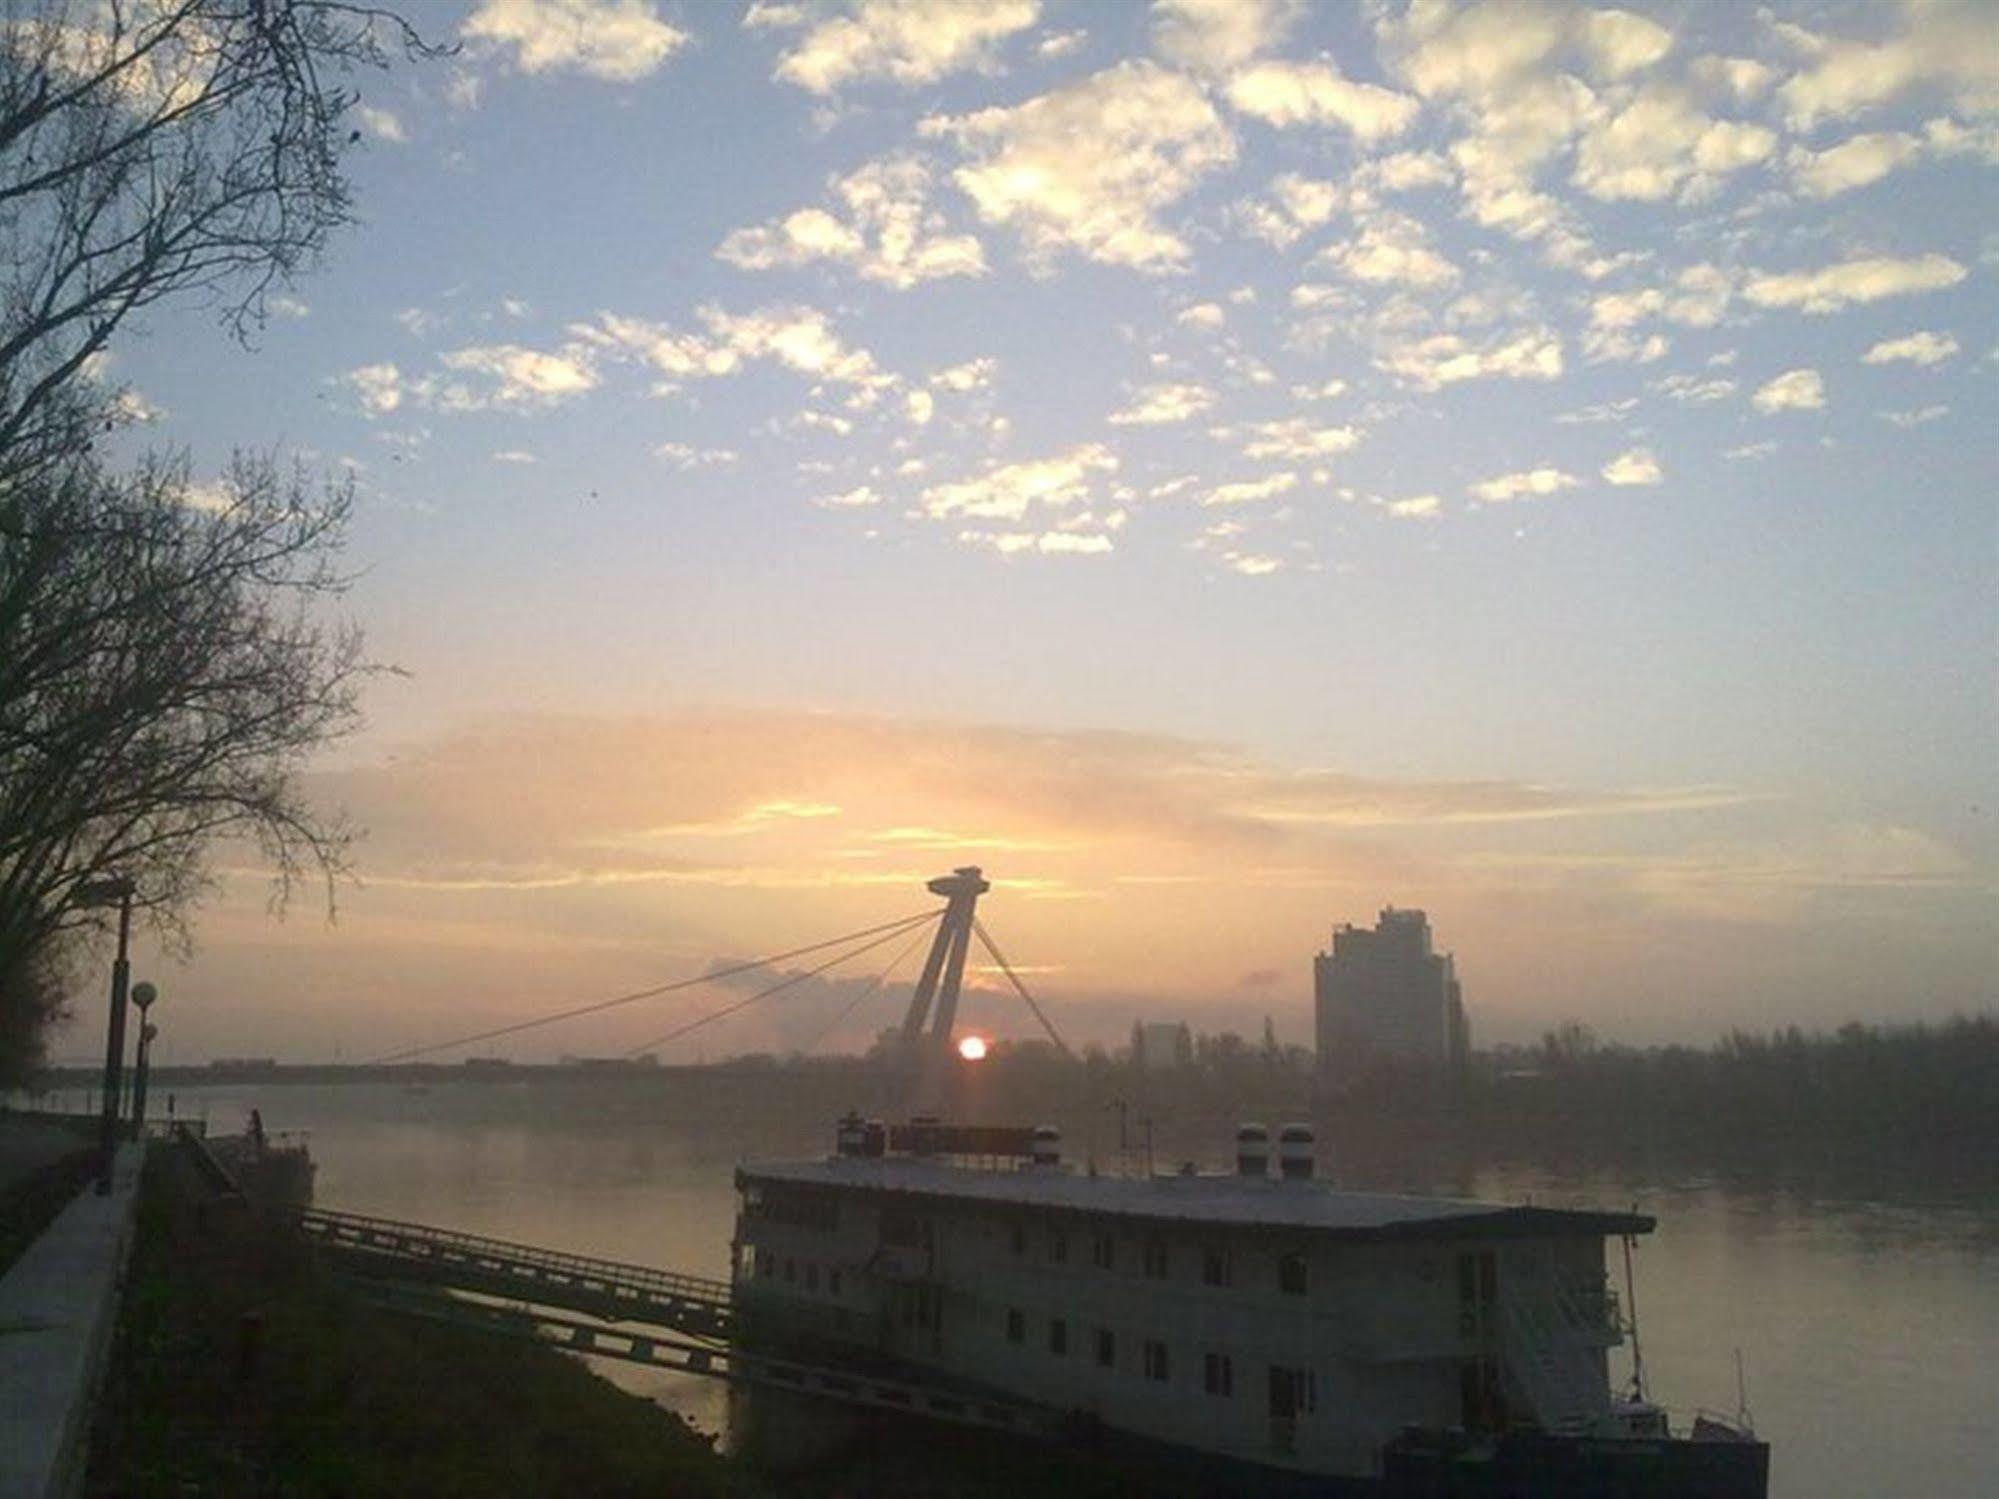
pixel 1388 995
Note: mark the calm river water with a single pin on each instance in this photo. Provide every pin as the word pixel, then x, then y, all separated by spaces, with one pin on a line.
pixel 1869 1328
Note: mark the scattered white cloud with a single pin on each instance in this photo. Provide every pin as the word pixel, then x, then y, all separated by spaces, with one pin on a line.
pixel 1854 162
pixel 886 230
pixel 1923 348
pixel 1158 405
pixel 857 498
pixel 1866 280
pixel 1217 35
pixel 1692 390
pixel 1325 390
pixel 919 406
pixel 1619 43
pixel 1794 390
pixel 1201 315
pixel 1749 450
pixel 379 387
pixel 908 42
pixel 1951 45
pixel 617 40
pixel 1293 437
pixel 1528 483
pixel 1416 507
pixel 518 377
pixel 1314 93
pixel 687 455
pixel 1008 491
pixel 1246 491
pixel 1047 543
pixel 1060 43
pixel 1447 358
pixel 1661 145
pixel 1637 466
pixel 380 124
pixel 1252 564
pixel 1916 417
pixel 800 338
pixel 973 374
pixel 1088 167
pixel 514 455
pixel 1392 248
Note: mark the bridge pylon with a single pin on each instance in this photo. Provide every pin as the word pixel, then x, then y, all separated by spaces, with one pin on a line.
pixel 927 1053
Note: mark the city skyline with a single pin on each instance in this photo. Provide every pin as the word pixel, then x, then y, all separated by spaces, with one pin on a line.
pixel 1223 469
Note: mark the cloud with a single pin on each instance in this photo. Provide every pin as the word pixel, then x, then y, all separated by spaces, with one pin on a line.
pixel 1313 93
pixel 1915 418
pixel 800 338
pixel 1292 437
pixel 1619 43
pixel 382 124
pixel 909 42
pixel 1533 483
pixel 887 232
pixel 685 456
pixel 1217 35
pixel 1416 507
pixel 1047 543
pixel 1247 491
pixel 1854 162
pixel 1008 491
pixel 1201 315
pixel 1832 287
pixel 1158 405
pixel 1923 348
pixel 522 376
pixel 1691 390
pixel 617 40
pixel 1448 358
pixel 1391 249
pixel 1088 167
pixel 1794 390
pixel 973 374
pixel 379 387
pixel 1955 45
pixel 1252 564
pixel 857 498
pixel 1659 146
pixel 1638 466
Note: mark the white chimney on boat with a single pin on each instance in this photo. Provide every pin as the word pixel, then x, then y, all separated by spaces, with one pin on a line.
pixel 1252 1150
pixel 1047 1147
pixel 1295 1151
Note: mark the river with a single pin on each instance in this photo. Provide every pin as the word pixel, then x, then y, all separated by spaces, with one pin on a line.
pixel 1868 1322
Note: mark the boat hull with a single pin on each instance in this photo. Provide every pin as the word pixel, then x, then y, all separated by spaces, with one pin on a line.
pixel 1528 1465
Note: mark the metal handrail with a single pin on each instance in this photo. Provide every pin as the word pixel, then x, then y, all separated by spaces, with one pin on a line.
pixel 410 1239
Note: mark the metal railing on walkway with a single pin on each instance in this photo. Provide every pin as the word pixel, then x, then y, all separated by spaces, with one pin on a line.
pixel 385 1247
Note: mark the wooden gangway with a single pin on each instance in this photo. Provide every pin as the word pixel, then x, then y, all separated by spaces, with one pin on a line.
pixel 609 1309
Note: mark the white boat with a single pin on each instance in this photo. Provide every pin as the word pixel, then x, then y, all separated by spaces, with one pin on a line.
pixel 1267 1321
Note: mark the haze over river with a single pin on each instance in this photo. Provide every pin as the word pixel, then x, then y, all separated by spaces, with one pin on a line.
pixel 1868 1322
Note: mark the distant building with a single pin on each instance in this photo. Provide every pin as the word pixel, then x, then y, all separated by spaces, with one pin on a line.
pixel 1158 1045
pixel 1387 995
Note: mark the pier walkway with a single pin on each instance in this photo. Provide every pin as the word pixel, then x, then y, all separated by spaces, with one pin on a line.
pixel 608 1309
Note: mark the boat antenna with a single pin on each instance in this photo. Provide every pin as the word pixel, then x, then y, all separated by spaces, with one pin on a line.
pixel 1631 1321
pixel 1742 1396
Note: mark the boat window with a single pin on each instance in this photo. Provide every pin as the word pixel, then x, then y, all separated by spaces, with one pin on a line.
pixel 1106 1348
pixel 1103 1250
pixel 1058 1335
pixel 1293 1392
pixel 1016 1325
pixel 1155 1360
pixel 901 1227
pixel 1215 1266
pixel 1155 1259
pixel 1292 1279
pixel 766 1265
pixel 1058 1246
pixel 1018 1238
pixel 833 1281
pixel 1218 1374
pixel 811 1277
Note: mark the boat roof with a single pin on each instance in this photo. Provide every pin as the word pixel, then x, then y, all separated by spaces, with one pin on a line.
pixel 1234 1201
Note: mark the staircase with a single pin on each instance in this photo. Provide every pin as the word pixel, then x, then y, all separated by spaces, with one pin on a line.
pixel 1550 1351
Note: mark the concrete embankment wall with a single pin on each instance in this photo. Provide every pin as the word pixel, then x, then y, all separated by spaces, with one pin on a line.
pixel 58 1306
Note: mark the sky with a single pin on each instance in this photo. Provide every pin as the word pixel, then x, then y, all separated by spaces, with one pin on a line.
pixel 1223 468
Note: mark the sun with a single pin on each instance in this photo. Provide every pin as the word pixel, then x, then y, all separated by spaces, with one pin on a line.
pixel 973 1048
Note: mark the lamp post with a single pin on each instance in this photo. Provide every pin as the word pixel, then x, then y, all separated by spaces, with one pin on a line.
pixel 143 995
pixel 116 891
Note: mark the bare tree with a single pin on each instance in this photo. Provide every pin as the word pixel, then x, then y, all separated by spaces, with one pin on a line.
pixel 153 149
pixel 166 674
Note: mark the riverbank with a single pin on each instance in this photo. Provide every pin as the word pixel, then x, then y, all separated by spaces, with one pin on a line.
pixel 240 1367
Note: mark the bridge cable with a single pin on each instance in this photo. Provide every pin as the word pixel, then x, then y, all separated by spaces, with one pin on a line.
pixel 1021 989
pixel 873 984
pixel 797 978
pixel 408 1053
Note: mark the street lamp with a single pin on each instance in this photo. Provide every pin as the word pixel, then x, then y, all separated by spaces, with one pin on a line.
pixel 143 995
pixel 117 891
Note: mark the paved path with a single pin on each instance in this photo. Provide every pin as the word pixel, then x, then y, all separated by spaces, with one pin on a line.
pixel 58 1305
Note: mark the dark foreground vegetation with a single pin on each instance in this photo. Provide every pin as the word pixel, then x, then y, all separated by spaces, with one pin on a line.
pixel 241 1369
